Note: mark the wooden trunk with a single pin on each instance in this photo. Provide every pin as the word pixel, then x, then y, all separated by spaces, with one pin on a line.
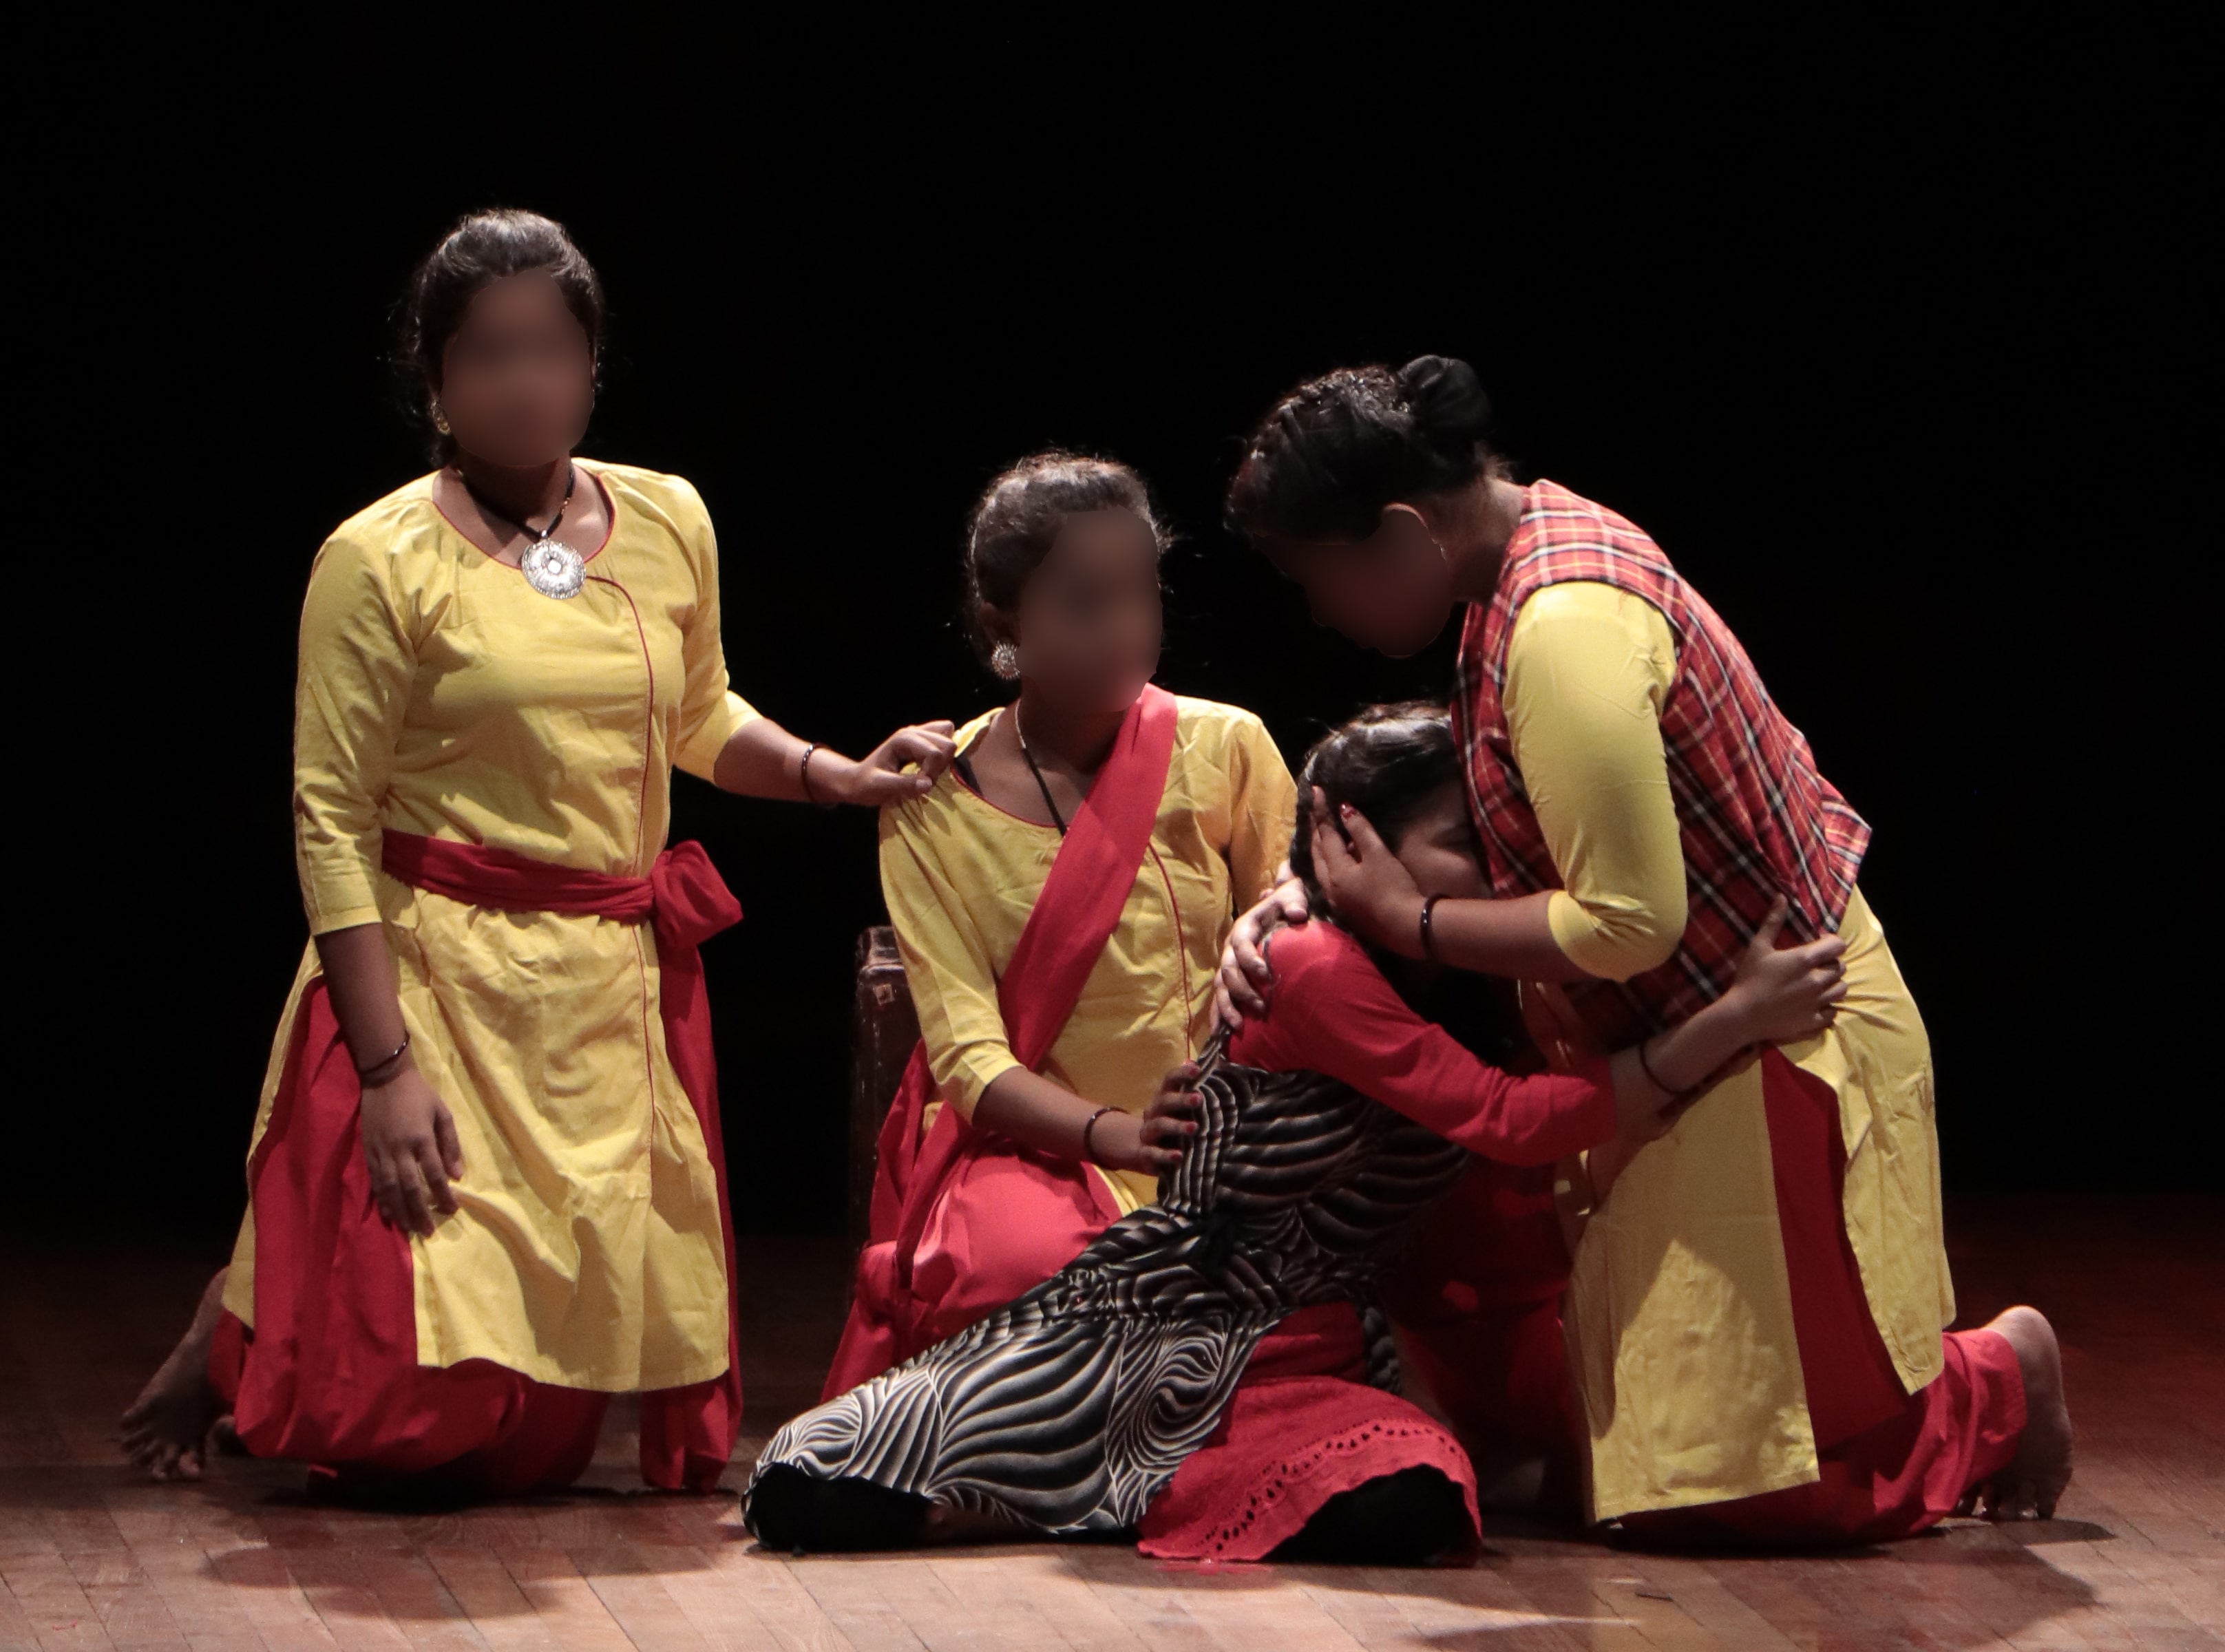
pixel 883 1029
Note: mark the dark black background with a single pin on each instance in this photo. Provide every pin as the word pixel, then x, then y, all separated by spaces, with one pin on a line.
pixel 1897 344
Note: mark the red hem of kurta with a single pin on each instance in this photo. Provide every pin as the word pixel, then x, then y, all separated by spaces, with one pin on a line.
pixel 1301 1427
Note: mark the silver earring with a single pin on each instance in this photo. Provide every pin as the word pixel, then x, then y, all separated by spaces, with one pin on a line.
pixel 1004 660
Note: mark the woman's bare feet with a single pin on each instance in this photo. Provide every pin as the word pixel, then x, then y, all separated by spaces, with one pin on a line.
pixel 2029 1488
pixel 166 1430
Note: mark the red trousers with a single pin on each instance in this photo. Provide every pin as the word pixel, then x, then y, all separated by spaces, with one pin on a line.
pixel 474 1430
pixel 330 1377
pixel 1893 1463
pixel 1478 1299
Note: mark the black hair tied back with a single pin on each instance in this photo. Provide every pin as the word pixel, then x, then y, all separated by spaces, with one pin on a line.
pixel 1450 408
pixel 1335 451
pixel 478 248
pixel 1017 521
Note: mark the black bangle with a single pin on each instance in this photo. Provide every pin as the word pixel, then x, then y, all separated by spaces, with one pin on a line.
pixel 363 1073
pixel 1089 1130
pixel 804 774
pixel 1430 906
pixel 1651 1077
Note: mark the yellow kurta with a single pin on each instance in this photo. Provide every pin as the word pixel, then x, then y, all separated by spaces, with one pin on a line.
pixel 961 876
pixel 1679 1314
pixel 440 694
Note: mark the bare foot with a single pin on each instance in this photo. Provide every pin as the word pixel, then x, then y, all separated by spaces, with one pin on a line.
pixel 2029 1488
pixel 166 1431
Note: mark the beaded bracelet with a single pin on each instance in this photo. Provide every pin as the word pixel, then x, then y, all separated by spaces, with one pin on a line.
pixel 803 774
pixel 363 1073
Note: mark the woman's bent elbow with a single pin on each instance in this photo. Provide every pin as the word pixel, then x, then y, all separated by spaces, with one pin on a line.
pixel 1631 938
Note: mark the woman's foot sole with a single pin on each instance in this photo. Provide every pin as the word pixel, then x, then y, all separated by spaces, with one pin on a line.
pixel 166 1430
pixel 2032 1483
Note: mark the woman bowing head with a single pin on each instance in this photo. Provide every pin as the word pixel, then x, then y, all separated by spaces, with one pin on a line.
pixel 1642 805
pixel 486 1188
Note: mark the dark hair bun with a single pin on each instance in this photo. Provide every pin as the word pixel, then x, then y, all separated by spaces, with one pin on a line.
pixel 1337 449
pixel 1449 406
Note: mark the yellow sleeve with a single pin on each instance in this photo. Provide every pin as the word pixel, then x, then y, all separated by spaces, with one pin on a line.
pixel 1263 811
pixel 710 711
pixel 1587 668
pixel 953 986
pixel 358 660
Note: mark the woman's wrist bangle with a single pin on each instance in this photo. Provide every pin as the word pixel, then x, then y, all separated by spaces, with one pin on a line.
pixel 1651 1077
pixel 1088 1135
pixel 1428 940
pixel 803 774
pixel 370 1074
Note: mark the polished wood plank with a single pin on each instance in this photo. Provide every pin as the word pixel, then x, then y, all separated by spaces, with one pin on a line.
pixel 90 1557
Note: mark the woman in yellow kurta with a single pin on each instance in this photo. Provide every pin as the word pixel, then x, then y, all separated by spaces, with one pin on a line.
pixel 1064 1144
pixel 961 875
pixel 486 1186
pixel 1756 1311
pixel 1061 897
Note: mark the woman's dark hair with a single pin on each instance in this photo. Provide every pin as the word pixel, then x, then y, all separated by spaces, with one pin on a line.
pixel 1388 762
pixel 1339 448
pixel 482 248
pixel 1018 518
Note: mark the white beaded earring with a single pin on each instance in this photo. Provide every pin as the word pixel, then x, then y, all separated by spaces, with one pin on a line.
pixel 1004 660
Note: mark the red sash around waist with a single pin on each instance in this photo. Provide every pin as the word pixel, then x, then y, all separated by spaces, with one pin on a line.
pixel 685 1433
pixel 683 898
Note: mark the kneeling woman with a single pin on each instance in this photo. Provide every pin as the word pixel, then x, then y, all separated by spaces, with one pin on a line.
pixel 486 1187
pixel 1061 897
pixel 1756 1310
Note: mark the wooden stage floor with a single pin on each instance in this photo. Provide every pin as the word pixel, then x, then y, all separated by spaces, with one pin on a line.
pixel 93 1558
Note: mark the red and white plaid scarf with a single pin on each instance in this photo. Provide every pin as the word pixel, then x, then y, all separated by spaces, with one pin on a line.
pixel 1754 817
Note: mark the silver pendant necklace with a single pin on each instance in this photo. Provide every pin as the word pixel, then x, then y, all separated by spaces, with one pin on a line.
pixel 550 567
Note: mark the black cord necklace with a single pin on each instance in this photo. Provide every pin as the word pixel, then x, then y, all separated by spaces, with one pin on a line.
pixel 550 567
pixel 1042 785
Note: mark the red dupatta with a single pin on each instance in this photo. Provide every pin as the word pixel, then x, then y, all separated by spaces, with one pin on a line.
pixel 1073 919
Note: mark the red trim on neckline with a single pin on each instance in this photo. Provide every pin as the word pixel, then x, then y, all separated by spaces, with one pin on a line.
pixel 609 502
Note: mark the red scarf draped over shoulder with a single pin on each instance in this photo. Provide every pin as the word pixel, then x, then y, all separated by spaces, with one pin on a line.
pixel 1073 919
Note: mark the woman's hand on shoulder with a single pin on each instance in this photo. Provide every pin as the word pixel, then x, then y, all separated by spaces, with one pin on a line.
pixel 1781 995
pixel 1244 977
pixel 879 777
